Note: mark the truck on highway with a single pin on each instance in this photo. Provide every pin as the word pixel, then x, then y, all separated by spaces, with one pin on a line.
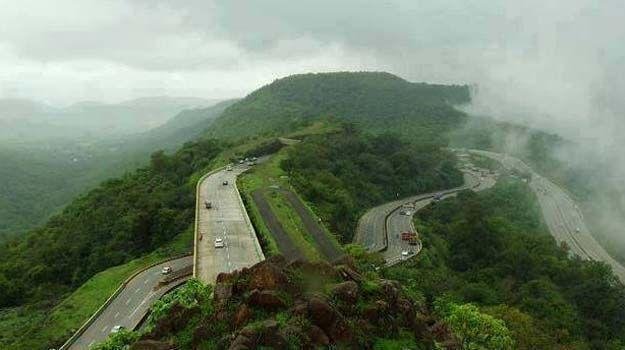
pixel 407 236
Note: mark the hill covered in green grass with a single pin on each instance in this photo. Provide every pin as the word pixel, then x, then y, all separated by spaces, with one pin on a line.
pixel 377 102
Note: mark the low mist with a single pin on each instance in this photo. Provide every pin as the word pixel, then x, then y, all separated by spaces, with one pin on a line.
pixel 556 66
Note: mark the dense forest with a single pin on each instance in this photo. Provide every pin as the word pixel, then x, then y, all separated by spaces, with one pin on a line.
pixel 378 102
pixel 114 223
pixel 491 249
pixel 599 192
pixel 345 173
pixel 511 288
pixel 40 178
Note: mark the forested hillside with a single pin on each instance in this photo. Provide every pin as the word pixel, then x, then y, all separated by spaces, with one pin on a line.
pixel 345 173
pixel 378 102
pixel 39 179
pixel 588 178
pixel 114 223
pixel 492 249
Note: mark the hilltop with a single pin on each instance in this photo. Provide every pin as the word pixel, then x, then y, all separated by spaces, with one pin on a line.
pixel 378 102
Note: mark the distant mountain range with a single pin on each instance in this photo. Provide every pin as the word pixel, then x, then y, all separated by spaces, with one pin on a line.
pixel 24 121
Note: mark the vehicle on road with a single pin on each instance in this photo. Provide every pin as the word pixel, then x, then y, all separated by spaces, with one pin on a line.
pixel 219 243
pixel 225 183
pixel 577 229
pixel 241 161
pixel 166 270
pixel 208 204
pixel 117 329
pixel 229 168
pixel 404 254
pixel 413 241
pixel 407 236
pixel 438 197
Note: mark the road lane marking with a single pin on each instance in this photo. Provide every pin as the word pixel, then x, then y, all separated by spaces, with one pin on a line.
pixel 116 315
pixel 146 281
pixel 104 329
pixel 152 293
pixel 137 290
pixel 128 301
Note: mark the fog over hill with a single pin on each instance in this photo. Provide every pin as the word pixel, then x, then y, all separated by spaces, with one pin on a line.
pixel 25 121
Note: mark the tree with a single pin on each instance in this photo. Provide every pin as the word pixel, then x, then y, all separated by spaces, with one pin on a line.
pixel 473 329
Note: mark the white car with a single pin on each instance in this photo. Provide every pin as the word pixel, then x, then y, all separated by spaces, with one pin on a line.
pixel 116 329
pixel 404 254
pixel 577 229
pixel 166 270
pixel 219 243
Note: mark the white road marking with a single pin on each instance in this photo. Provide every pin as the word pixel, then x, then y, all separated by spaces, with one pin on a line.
pixel 104 329
pixel 152 293
pixel 146 281
pixel 137 290
pixel 128 301
pixel 116 315
pixel 93 341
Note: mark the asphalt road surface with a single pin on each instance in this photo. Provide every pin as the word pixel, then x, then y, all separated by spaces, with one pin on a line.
pixel 562 215
pixel 131 304
pixel 228 220
pixel 370 232
pixel 400 219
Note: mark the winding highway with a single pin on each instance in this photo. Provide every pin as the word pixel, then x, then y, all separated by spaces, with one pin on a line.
pixel 130 306
pixel 561 214
pixel 380 228
pixel 226 219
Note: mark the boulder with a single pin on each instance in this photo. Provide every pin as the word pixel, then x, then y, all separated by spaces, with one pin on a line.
pixel 242 316
pixel 318 337
pixel 346 292
pixel 266 299
pixel 222 293
pixel 321 313
pixel 176 320
pixel 266 275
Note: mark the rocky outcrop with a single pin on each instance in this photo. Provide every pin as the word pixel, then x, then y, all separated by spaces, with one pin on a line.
pixel 304 305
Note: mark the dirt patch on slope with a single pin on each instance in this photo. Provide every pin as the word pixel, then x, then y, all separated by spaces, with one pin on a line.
pixel 323 242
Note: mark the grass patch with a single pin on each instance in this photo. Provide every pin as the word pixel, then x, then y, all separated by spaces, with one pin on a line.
pixel 269 175
pixel 42 327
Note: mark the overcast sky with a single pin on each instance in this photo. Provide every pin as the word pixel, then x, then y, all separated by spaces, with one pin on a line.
pixel 557 64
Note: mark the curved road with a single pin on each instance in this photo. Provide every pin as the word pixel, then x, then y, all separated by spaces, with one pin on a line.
pixel 396 222
pixel 227 219
pixel 561 214
pixel 374 225
pixel 129 307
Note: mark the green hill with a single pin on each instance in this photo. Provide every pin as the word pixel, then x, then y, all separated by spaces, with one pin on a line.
pixel 140 212
pixel 379 102
pixel 42 178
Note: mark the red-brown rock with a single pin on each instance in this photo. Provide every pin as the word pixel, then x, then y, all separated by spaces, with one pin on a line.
pixel 267 299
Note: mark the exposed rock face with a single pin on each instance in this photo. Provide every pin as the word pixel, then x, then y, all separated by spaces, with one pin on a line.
pixel 242 315
pixel 267 275
pixel 176 320
pixel 346 292
pixel 279 305
pixel 266 299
